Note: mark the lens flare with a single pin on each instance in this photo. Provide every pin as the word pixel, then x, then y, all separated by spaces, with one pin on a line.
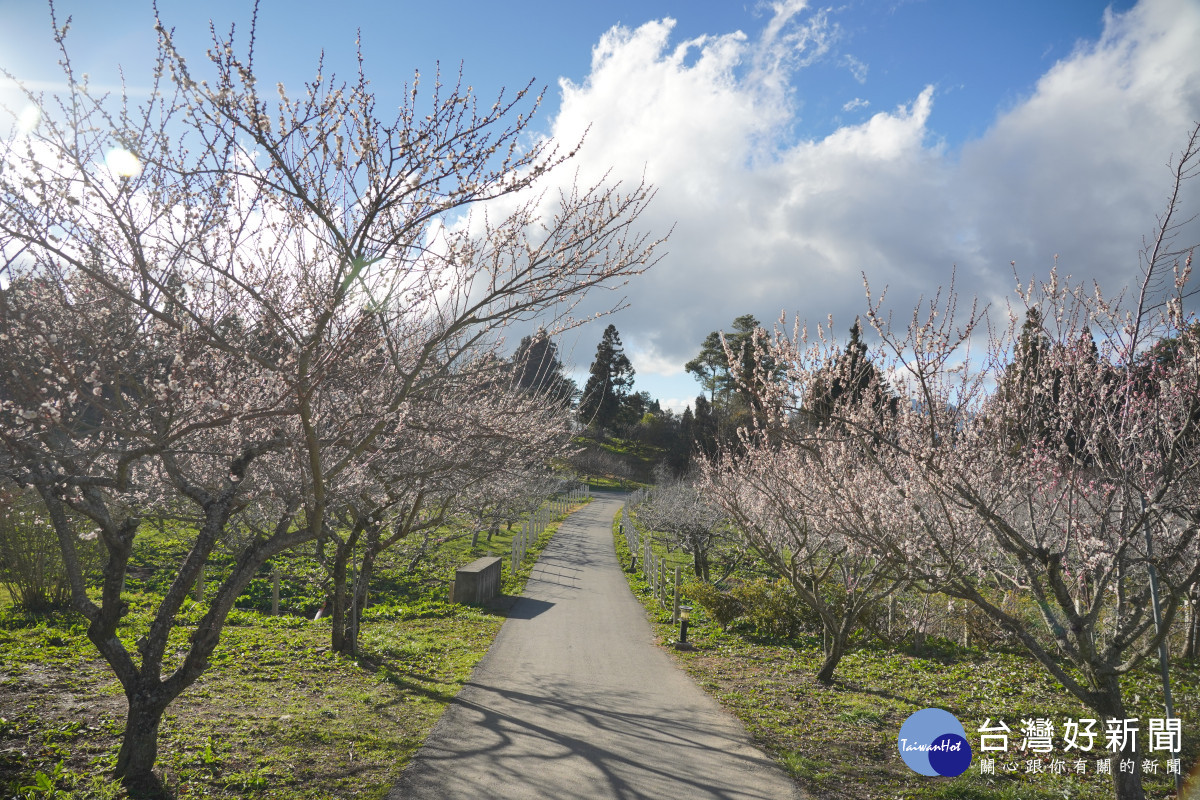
pixel 28 119
pixel 123 163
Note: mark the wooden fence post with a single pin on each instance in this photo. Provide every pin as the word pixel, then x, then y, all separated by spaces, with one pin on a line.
pixel 675 610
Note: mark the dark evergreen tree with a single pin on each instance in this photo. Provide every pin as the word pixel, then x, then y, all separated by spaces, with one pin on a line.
pixel 712 368
pixel 633 408
pixel 536 368
pixel 1043 398
pixel 851 379
pixel 1028 354
pixel 1031 385
pixel 610 379
pixel 679 455
pixel 710 365
pixel 704 429
pixel 735 389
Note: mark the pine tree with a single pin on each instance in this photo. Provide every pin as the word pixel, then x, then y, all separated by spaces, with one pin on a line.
pixel 704 428
pixel 1030 384
pixel 679 458
pixel 711 366
pixel 1028 354
pixel 736 386
pixel 536 368
pixel 610 379
pixel 852 379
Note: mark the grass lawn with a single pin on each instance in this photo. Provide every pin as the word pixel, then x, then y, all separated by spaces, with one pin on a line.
pixel 840 741
pixel 634 462
pixel 277 715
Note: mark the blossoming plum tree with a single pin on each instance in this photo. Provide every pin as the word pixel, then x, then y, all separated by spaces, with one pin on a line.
pixel 681 509
pixel 221 306
pixel 799 492
pixel 473 433
pixel 1076 484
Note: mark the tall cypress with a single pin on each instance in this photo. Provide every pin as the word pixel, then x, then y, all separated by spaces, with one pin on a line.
pixel 610 379
pixel 536 368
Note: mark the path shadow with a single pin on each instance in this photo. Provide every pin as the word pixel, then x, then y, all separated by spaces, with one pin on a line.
pixel 620 746
pixel 528 608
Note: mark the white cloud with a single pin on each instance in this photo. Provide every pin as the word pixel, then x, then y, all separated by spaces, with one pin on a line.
pixel 856 104
pixel 857 68
pixel 676 404
pixel 790 41
pixel 648 361
pixel 764 223
pixel 1078 168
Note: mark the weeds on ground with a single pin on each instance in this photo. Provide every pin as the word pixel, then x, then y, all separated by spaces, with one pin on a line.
pixel 277 715
pixel 840 741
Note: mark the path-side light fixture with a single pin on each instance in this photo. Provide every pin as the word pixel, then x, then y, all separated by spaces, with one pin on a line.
pixel 685 614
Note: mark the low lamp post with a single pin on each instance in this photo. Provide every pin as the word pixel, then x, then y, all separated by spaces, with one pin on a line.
pixel 685 613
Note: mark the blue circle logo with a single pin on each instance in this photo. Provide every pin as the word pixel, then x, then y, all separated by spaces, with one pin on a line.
pixel 933 742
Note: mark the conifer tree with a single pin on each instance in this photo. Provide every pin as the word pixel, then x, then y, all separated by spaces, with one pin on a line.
pixel 536 368
pixel 610 379
pixel 711 366
pixel 851 379
pixel 704 429
pixel 679 459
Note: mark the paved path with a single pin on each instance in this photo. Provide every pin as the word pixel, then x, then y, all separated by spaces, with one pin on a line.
pixel 573 700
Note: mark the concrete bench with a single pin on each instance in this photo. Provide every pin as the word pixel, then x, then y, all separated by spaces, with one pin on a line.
pixel 477 582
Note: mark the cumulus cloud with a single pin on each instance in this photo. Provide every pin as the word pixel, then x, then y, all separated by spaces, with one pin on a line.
pixel 764 223
pixel 1078 168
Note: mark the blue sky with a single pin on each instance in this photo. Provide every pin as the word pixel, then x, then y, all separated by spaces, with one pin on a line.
pixel 983 57
pixel 794 145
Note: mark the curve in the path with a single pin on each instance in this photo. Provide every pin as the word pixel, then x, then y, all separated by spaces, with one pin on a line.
pixel 574 700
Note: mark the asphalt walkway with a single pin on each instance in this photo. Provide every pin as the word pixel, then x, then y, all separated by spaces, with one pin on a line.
pixel 574 700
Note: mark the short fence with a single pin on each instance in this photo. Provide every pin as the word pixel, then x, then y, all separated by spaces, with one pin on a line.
pixel 653 567
pixel 535 524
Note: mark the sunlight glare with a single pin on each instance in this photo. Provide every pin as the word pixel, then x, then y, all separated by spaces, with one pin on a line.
pixel 28 119
pixel 123 163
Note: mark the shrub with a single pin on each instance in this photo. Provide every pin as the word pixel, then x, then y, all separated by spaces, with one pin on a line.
pixel 721 606
pixel 31 565
pixel 774 608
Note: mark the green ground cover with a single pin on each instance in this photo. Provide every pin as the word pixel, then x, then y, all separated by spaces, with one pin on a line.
pixel 631 465
pixel 840 741
pixel 277 715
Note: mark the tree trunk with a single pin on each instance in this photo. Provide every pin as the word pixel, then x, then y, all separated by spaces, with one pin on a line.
pixel 1126 785
pixel 836 650
pixel 339 642
pixel 1192 625
pixel 139 746
pixel 360 590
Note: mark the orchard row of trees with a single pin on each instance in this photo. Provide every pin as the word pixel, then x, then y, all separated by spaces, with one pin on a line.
pixel 270 316
pixel 1054 461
